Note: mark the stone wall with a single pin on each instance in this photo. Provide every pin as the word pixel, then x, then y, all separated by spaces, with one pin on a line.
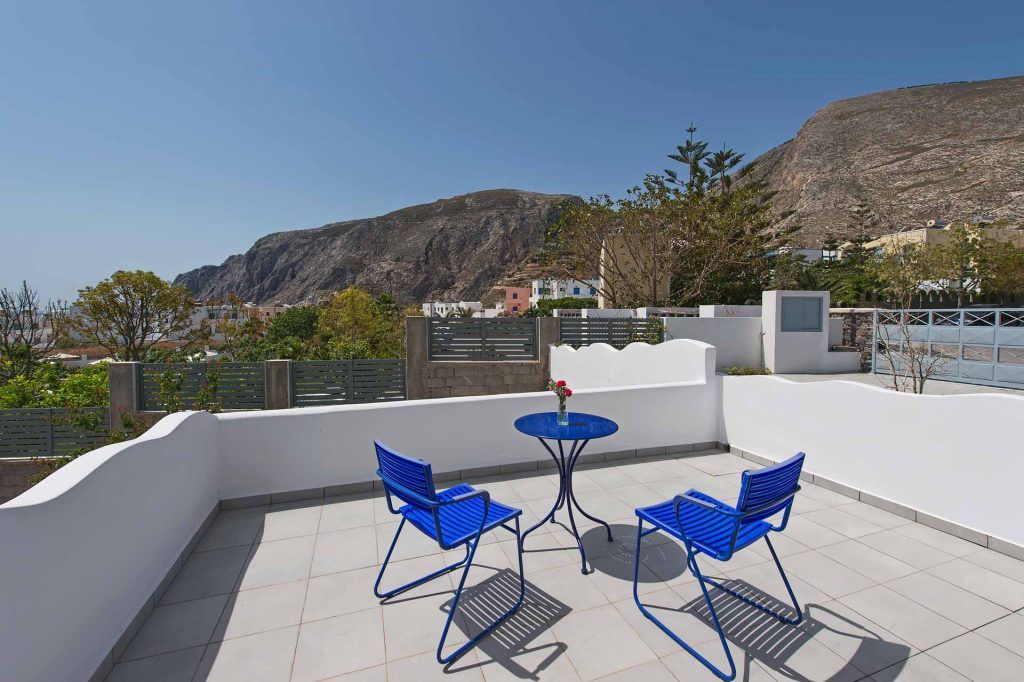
pixel 431 379
pixel 857 331
pixel 15 475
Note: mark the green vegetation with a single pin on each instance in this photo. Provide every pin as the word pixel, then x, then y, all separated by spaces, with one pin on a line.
pixel 744 370
pixel 545 306
pixel 53 385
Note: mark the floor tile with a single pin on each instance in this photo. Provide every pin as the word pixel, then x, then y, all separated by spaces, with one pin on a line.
pixel 686 668
pixel 206 574
pixel 877 516
pixel 425 667
pixel 280 561
pixel 867 561
pixel 906 549
pixel 676 610
pixel 958 605
pixel 1000 563
pixel 176 666
pixel 342 513
pixel 829 576
pixel 841 522
pixel 177 626
pixel 411 544
pixel 378 673
pixel 339 645
pixel 265 657
pixel 1008 632
pixel 863 644
pixel 985 583
pixel 812 534
pixel 652 671
pixel 291 520
pixel 576 591
pixel 764 579
pixel 266 608
pixel 920 668
pixel 980 659
pixel 950 544
pixel 590 635
pixel 345 550
pixel 339 593
pixel 232 529
pixel 412 625
pixel 908 620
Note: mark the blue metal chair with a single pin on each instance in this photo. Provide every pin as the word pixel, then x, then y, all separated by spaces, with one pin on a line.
pixel 706 525
pixel 455 517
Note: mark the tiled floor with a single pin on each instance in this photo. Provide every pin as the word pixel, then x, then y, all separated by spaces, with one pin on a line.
pixel 285 593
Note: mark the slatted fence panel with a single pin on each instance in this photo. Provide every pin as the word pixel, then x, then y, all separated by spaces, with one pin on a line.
pixel 483 339
pixel 615 332
pixel 339 382
pixel 242 384
pixel 45 432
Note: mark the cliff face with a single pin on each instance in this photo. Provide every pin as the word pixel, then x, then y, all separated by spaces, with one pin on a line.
pixel 951 151
pixel 451 249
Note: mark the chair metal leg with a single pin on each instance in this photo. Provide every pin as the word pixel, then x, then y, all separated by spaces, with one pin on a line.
pixel 664 628
pixel 761 607
pixel 444 660
pixel 414 583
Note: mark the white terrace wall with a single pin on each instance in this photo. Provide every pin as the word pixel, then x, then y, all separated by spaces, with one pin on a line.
pixel 737 340
pixel 601 366
pixel 298 449
pixel 85 549
pixel 958 458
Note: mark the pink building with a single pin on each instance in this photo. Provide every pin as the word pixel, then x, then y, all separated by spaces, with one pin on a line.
pixel 517 300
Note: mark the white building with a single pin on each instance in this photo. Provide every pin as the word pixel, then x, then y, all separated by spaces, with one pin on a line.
pixel 445 308
pixel 562 288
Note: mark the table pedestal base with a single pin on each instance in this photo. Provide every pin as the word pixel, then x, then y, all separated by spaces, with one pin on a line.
pixel 566 498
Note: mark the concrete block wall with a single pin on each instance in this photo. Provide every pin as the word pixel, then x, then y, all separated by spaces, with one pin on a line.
pixel 16 474
pixel 430 379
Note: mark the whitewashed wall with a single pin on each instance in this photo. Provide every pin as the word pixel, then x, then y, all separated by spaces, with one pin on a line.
pixel 85 549
pixel 959 458
pixel 737 340
pixel 297 449
pixel 601 365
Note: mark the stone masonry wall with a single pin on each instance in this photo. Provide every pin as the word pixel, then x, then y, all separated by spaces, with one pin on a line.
pixel 448 379
pixel 15 475
pixel 857 332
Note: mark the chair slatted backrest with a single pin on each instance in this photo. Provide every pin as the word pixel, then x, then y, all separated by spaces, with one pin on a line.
pixel 768 491
pixel 410 473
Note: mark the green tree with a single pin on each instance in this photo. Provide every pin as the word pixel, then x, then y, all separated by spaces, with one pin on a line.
pixel 299 323
pixel 709 232
pixel 354 324
pixel 131 311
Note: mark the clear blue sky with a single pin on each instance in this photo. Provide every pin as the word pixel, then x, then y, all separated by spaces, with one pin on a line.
pixel 165 136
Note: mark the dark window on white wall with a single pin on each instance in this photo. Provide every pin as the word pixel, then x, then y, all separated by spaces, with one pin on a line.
pixel 801 314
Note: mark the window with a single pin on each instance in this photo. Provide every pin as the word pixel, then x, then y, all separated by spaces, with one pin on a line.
pixel 515 294
pixel 801 314
pixel 576 291
pixel 593 291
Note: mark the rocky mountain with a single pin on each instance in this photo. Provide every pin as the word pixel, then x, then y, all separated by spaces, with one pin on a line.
pixel 951 151
pixel 451 249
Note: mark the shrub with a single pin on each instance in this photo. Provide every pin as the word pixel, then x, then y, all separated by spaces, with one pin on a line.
pixel 745 370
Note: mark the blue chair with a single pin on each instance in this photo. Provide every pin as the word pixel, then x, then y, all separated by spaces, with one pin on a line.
pixel 706 525
pixel 455 517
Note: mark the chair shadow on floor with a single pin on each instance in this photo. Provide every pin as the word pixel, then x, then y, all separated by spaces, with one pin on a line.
pixel 513 644
pixel 775 645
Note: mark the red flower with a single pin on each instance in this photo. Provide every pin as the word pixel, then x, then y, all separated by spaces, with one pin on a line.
pixel 560 383
pixel 568 392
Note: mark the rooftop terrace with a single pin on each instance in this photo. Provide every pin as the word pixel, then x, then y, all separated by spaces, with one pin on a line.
pixel 285 592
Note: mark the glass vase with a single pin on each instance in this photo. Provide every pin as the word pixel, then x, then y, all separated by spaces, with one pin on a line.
pixel 563 415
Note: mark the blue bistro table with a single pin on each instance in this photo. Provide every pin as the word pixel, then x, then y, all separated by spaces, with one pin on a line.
pixel 581 429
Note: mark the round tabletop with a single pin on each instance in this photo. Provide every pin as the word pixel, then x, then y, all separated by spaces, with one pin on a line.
pixel 581 426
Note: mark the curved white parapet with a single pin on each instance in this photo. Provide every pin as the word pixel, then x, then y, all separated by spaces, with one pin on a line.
pixel 84 550
pixel 638 364
pixel 956 457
